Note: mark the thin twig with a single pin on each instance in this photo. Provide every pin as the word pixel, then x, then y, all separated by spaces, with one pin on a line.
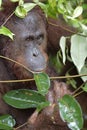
pixel 52 78
pixel 78 88
pixel 7 18
pixel 3 57
pixel 21 126
pixel 26 80
pixel 16 81
pixel 70 76
pixel 64 28
pixel 78 93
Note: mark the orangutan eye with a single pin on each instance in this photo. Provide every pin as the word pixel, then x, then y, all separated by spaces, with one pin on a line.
pixel 40 37
pixel 30 38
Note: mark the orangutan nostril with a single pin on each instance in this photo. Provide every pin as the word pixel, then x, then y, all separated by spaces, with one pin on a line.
pixel 35 52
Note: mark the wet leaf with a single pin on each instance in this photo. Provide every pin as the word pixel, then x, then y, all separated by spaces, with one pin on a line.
pixel 70 112
pixel 43 83
pixel 23 98
pixel 7 122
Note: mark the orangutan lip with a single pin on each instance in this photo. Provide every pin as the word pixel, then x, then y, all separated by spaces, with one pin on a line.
pixel 37 72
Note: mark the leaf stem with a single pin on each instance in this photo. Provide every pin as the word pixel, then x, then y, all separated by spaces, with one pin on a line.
pixel 70 76
pixel 64 28
pixel 21 126
pixel 16 63
pixel 78 93
pixel 78 88
pixel 7 18
pixel 32 79
pixel 26 80
pixel 16 81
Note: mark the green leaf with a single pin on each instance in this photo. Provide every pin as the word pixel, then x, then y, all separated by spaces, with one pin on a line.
pixel 78 11
pixel 42 105
pixel 74 22
pixel 56 61
pixel 43 83
pixel 7 122
pixel 0 3
pixel 36 1
pixel 63 47
pixel 84 71
pixel 20 11
pixel 52 3
pixel 71 81
pixel 61 8
pixel 5 31
pixel 21 2
pixel 85 87
pixel 29 6
pixel 70 112
pixel 23 98
pixel 14 0
pixel 84 28
pixel 78 50
pixel 43 7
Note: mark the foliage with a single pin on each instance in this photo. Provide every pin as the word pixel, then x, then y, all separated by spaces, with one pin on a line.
pixel 70 110
pixel 84 71
pixel 24 99
pixel 78 52
pixel 85 87
pixel 7 32
pixel 42 82
pixel 62 46
pixel 0 3
pixel 74 13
